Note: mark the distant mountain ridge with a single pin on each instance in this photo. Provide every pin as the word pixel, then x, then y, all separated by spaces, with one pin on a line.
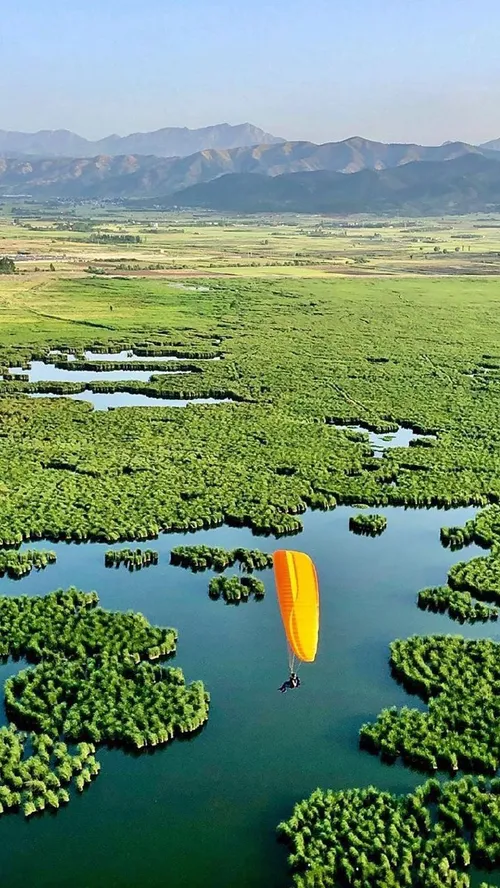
pixel 166 142
pixel 466 184
pixel 129 176
pixel 493 145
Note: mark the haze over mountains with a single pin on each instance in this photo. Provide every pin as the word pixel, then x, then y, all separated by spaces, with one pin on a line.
pixel 466 184
pixel 355 175
pixel 494 145
pixel 130 176
pixel 168 142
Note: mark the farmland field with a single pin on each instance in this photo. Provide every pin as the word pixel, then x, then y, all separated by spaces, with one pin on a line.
pixel 352 368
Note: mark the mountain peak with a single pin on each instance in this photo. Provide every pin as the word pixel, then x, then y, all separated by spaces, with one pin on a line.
pixel 493 145
pixel 165 142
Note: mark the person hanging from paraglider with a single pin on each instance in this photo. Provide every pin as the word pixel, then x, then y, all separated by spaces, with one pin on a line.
pixel 290 683
pixel 298 598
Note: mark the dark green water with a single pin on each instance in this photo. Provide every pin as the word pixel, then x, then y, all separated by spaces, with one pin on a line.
pixel 202 812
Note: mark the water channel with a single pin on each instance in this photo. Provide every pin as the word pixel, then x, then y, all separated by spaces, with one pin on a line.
pixel 202 812
pixel 41 372
pixel 109 400
pixel 128 356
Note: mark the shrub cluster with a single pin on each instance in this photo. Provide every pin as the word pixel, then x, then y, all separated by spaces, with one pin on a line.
pixel 20 564
pixel 133 559
pixel 96 678
pixel 458 605
pixel 40 780
pixel 236 589
pixel 365 838
pixel 461 729
pixel 200 558
pixel 367 525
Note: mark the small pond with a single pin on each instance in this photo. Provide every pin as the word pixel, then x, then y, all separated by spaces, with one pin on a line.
pixel 109 400
pixel 386 440
pixel 41 372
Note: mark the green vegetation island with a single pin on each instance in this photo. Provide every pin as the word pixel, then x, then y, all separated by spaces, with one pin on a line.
pixel 236 589
pixel 367 525
pixel 134 559
pixel 199 558
pixel 20 564
pixel 366 838
pixel 97 679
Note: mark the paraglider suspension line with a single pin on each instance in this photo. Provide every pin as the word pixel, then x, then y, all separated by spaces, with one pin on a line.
pixel 291 660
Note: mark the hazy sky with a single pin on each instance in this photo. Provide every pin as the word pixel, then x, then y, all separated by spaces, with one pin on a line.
pixel 400 70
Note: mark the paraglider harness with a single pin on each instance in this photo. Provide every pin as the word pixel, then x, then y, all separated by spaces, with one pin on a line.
pixel 292 682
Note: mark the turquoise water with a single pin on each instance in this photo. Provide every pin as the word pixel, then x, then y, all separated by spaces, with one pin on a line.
pixel 202 811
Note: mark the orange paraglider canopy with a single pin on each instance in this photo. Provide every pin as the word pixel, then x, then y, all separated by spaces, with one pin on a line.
pixel 298 596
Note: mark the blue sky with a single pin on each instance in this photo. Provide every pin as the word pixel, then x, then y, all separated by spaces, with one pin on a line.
pixel 395 70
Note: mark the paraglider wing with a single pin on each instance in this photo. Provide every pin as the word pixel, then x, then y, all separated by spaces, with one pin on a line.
pixel 298 596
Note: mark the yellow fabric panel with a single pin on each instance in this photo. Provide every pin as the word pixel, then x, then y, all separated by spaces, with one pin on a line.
pixel 298 597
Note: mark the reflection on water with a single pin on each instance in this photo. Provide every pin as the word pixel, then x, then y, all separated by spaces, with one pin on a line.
pixel 208 807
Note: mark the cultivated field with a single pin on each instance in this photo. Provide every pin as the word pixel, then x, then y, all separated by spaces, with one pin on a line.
pixel 180 244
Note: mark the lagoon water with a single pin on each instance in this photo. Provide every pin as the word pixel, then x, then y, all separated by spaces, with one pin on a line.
pixel 203 811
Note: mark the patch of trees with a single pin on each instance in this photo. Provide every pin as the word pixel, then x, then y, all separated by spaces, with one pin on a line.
pixel 101 238
pixel 199 558
pixel 365 838
pixel 40 780
pixel 20 564
pixel 107 699
pixel 134 559
pixel 96 679
pixel 103 366
pixel 480 576
pixel 458 605
pixel 236 589
pixel 483 529
pixel 7 265
pixel 367 525
pixel 461 729
pixel 70 624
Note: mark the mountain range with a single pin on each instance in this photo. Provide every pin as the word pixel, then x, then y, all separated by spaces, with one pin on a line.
pixel 352 176
pixel 466 184
pixel 167 142
pixel 139 176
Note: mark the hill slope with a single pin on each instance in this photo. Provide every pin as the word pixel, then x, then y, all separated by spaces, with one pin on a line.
pixel 494 145
pixel 167 142
pixel 464 185
pixel 135 175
